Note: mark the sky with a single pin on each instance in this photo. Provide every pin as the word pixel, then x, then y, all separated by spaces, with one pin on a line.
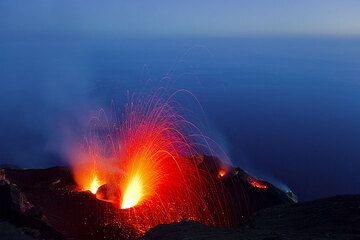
pixel 283 101
pixel 182 18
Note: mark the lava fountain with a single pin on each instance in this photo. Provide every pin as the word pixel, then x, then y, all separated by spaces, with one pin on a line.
pixel 147 158
pixel 133 193
pixel 94 186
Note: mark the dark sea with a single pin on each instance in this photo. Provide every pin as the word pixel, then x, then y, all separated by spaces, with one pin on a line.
pixel 286 109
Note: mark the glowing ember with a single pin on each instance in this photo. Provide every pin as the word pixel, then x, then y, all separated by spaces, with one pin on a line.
pixel 222 173
pixel 147 160
pixel 133 193
pixel 95 184
pixel 257 183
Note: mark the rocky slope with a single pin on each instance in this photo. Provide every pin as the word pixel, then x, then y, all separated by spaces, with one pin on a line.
pixel 331 218
pixel 44 204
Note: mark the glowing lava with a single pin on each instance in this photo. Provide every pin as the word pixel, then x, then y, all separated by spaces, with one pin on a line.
pixel 133 193
pixel 95 184
pixel 147 158
pixel 222 173
pixel 256 183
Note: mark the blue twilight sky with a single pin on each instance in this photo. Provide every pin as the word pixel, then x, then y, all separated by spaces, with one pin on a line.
pixel 278 80
pixel 182 18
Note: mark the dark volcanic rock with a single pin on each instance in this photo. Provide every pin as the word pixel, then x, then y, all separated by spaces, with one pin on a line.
pixel 331 218
pixel 10 232
pixel 188 230
pixel 45 204
pixel 12 200
pixel 47 200
pixel 19 219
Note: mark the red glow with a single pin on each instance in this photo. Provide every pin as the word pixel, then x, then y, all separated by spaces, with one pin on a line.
pixel 146 161
pixel 95 184
pixel 222 173
pixel 257 183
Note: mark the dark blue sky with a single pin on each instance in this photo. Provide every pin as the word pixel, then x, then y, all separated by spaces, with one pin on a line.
pixel 182 18
pixel 279 80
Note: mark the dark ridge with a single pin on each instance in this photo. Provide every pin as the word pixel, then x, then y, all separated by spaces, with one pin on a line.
pixel 330 218
pixel 46 204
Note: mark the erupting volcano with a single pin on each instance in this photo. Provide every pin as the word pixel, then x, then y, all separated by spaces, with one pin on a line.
pixel 147 166
pixel 150 163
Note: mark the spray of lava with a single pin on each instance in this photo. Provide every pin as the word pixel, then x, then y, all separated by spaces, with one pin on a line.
pixel 147 157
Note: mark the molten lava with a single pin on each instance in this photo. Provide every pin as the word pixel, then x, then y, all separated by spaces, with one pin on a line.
pixel 147 161
pixel 95 184
pixel 256 183
pixel 133 193
pixel 222 173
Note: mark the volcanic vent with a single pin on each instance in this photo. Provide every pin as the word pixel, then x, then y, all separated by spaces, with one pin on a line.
pixel 150 163
pixel 148 166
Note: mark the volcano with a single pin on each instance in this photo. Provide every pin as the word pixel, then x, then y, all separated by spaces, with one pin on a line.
pixel 46 203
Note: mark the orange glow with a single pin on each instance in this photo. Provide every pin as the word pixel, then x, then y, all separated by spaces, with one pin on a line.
pixel 147 160
pixel 257 183
pixel 133 193
pixel 222 173
pixel 88 177
pixel 95 184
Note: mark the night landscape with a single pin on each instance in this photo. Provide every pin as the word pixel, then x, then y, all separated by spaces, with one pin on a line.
pixel 179 120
